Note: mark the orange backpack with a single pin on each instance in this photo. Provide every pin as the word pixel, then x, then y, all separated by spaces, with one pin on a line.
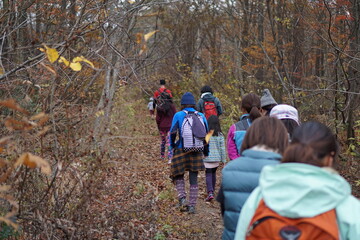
pixel 268 225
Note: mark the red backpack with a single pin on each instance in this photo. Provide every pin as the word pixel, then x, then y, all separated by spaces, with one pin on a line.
pixel 210 109
pixel 267 224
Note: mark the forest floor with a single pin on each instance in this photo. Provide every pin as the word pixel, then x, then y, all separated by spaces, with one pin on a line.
pixel 138 200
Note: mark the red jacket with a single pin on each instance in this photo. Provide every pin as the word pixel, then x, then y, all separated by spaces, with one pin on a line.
pixel 159 91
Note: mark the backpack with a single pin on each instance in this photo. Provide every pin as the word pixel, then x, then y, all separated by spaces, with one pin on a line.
pixel 163 103
pixel 267 224
pixel 193 132
pixel 210 109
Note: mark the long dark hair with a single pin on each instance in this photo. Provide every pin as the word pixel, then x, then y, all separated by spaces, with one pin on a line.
pixel 311 142
pixel 266 131
pixel 251 103
pixel 214 124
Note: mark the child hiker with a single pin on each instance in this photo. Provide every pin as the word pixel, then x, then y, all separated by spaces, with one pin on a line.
pixel 304 195
pixel 186 124
pixel 217 154
pixel 150 106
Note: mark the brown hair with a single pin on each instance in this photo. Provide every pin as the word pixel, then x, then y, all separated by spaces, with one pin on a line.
pixel 251 103
pixel 311 142
pixel 266 131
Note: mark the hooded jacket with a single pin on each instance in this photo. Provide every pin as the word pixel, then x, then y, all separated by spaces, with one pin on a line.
pixel 297 190
pixel 208 97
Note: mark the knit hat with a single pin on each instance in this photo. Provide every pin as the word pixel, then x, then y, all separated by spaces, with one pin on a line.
pixel 284 111
pixel 267 98
pixel 188 99
pixel 162 82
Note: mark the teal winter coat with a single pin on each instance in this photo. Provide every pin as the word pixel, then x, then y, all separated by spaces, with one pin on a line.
pixel 239 178
pixel 297 190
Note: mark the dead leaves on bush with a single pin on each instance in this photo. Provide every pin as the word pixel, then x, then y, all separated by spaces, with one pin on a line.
pixel 27 159
pixel 10 103
pixel 33 161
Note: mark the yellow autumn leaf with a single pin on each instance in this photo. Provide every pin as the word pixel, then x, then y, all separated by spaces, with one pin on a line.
pixel 76 66
pixel 149 35
pixel 51 53
pixel 131 1
pixel 2 71
pixel 82 59
pixel 64 60
pixel 100 113
pixel 143 49
pixel 208 136
pixel 33 161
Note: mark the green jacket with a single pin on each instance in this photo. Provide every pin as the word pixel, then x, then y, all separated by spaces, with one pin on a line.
pixel 298 190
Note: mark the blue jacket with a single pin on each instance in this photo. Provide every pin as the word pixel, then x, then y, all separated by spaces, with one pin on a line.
pixel 298 190
pixel 176 127
pixel 239 178
pixel 236 136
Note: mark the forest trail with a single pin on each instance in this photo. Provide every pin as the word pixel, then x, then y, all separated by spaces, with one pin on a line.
pixel 138 200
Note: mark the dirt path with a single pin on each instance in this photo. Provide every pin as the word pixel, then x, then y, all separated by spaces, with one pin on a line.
pixel 138 200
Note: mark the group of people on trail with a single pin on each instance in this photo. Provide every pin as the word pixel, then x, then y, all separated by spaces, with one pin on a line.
pixel 279 183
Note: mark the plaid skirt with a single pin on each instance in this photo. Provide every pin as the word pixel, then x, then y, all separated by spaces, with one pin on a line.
pixel 186 161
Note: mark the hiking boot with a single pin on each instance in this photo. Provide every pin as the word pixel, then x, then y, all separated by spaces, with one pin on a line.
pixel 209 197
pixel 189 209
pixel 182 202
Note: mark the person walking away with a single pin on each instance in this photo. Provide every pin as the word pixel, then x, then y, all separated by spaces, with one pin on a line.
pixel 164 116
pixel 191 128
pixel 267 102
pixel 264 143
pixel 208 104
pixel 162 88
pixel 288 115
pixel 217 154
pixel 304 189
pixel 250 106
pixel 150 106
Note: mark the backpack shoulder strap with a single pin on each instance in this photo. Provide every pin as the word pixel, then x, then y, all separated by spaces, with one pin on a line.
pixel 242 125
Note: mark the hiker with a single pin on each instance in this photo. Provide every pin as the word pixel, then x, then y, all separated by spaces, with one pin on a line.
pixel 164 115
pixel 188 150
pixel 264 143
pixel 217 154
pixel 267 102
pixel 288 115
pixel 150 106
pixel 303 188
pixel 250 106
pixel 162 88
pixel 208 104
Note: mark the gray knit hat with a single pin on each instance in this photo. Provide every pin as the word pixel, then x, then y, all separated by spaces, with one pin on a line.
pixel 267 98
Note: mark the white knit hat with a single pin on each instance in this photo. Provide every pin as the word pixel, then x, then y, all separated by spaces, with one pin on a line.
pixel 284 111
